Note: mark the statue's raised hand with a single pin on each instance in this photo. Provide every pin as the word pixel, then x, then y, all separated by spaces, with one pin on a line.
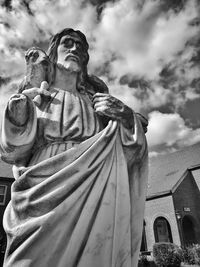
pixel 109 106
pixel 36 93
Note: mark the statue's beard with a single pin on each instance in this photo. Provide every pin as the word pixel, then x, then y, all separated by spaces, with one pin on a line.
pixel 70 65
pixel 74 67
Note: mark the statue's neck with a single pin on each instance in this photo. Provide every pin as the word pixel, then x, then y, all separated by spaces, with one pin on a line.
pixel 66 80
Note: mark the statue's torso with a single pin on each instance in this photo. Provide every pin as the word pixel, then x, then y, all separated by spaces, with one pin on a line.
pixel 65 120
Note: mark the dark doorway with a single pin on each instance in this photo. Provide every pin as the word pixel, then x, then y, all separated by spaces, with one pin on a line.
pixel 162 230
pixel 188 231
pixel 144 241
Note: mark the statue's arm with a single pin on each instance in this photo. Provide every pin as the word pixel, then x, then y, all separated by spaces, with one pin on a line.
pixel 18 129
pixel 19 125
pixel 111 107
pixel 133 125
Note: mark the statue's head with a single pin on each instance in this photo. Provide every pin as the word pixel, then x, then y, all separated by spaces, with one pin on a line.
pixel 70 49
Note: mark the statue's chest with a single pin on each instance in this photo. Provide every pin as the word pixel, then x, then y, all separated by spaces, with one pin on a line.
pixel 68 114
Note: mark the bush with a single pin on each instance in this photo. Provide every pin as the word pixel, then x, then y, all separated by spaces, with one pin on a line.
pixel 197 249
pixel 143 261
pixel 146 261
pixel 191 254
pixel 167 254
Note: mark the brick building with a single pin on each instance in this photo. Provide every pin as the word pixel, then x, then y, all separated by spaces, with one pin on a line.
pixel 173 199
pixel 172 211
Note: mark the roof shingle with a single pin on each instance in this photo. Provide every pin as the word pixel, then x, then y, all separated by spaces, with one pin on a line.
pixel 166 170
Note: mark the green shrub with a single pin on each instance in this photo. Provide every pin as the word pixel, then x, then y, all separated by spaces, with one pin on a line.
pixel 191 254
pixel 167 254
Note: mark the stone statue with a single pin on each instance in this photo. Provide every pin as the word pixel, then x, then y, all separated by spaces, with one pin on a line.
pixel 79 160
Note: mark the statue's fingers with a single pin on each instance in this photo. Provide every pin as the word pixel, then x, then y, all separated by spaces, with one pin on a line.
pixel 44 85
pixel 103 109
pixel 97 99
pixel 99 94
pixel 100 105
pixel 44 88
pixel 37 100
pixel 103 112
pixel 18 97
pixel 31 93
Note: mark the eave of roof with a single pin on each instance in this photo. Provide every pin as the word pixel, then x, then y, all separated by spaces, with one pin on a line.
pixel 7 179
pixel 159 195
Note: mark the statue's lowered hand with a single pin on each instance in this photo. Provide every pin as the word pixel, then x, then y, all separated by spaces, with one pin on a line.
pixel 36 93
pixel 109 106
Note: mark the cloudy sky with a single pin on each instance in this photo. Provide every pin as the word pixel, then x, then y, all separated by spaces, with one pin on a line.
pixel 147 51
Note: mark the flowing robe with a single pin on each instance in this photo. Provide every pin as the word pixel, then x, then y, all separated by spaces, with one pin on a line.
pixel 79 191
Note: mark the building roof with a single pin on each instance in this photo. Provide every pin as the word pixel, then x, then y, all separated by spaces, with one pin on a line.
pixel 166 170
pixel 5 170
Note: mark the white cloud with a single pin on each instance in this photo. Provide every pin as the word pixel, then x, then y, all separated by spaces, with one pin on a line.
pixel 12 63
pixel 142 41
pixel 22 28
pixel 125 95
pixel 25 30
pixel 53 16
pixel 170 129
pixel 158 96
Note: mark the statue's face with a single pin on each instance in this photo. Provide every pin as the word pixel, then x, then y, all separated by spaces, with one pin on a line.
pixel 71 52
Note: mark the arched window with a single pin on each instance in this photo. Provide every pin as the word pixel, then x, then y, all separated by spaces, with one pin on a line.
pixel 162 230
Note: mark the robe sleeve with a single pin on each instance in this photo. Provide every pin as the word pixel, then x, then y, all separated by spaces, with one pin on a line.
pixel 17 141
pixel 134 140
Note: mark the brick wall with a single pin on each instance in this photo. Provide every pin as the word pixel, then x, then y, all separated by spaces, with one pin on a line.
pixel 155 208
pixel 186 199
pixel 5 182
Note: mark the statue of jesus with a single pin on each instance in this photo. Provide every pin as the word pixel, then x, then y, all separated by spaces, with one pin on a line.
pixel 80 165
